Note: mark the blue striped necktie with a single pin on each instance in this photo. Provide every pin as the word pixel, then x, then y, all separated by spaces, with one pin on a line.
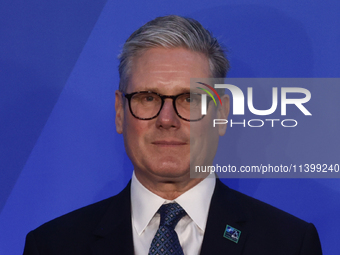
pixel 166 240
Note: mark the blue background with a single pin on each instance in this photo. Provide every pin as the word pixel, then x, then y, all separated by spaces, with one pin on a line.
pixel 58 72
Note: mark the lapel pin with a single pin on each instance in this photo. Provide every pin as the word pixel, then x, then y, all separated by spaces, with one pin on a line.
pixel 232 234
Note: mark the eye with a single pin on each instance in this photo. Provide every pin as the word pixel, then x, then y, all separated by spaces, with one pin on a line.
pixel 149 98
pixel 189 99
pixel 193 98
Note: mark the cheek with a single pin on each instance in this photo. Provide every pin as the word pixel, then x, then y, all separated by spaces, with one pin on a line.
pixel 131 131
pixel 203 141
pixel 198 140
pixel 135 132
pixel 132 134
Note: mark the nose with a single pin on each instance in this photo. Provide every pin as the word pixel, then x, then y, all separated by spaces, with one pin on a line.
pixel 168 118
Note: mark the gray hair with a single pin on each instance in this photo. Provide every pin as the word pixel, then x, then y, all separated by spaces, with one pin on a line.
pixel 171 32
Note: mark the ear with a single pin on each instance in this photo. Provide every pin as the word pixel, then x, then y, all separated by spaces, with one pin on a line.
pixel 119 107
pixel 223 113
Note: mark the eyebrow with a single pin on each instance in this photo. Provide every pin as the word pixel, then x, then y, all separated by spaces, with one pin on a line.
pixel 157 90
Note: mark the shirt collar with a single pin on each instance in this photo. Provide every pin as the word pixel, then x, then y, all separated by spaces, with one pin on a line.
pixel 197 209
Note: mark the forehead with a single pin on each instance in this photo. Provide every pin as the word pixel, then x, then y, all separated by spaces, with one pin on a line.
pixel 167 71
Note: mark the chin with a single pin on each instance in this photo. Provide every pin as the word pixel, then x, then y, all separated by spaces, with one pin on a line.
pixel 171 170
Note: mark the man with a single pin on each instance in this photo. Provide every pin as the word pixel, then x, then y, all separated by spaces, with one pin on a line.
pixel 162 210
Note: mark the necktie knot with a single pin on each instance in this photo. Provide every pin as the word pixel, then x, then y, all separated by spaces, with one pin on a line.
pixel 171 214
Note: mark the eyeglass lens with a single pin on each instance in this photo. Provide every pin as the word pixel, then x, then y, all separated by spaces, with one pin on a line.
pixel 146 105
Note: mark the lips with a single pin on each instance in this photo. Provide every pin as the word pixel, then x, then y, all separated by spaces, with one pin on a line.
pixel 168 143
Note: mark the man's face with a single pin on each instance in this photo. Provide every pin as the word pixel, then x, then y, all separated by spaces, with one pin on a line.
pixel 160 148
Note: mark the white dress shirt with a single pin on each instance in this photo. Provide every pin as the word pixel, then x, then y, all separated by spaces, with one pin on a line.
pixel 190 229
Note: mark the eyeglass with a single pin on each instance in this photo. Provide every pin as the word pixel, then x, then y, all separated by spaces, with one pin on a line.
pixel 146 105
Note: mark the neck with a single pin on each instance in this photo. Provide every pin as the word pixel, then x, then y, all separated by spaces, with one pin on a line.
pixel 168 188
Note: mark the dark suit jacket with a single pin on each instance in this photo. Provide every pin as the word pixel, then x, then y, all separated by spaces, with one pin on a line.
pixel 105 228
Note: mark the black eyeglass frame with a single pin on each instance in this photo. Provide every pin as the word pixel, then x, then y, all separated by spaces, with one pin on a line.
pixel 163 97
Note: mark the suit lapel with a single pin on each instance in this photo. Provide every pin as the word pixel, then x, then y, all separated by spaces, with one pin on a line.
pixel 224 210
pixel 114 232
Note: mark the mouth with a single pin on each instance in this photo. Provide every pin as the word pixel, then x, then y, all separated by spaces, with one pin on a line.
pixel 168 143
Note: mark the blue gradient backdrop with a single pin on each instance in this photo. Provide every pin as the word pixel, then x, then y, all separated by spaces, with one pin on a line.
pixel 58 72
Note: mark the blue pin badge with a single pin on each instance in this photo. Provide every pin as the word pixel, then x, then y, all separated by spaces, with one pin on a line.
pixel 232 234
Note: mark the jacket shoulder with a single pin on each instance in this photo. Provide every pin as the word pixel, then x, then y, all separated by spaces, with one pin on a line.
pixel 76 219
pixel 256 210
pixel 73 232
